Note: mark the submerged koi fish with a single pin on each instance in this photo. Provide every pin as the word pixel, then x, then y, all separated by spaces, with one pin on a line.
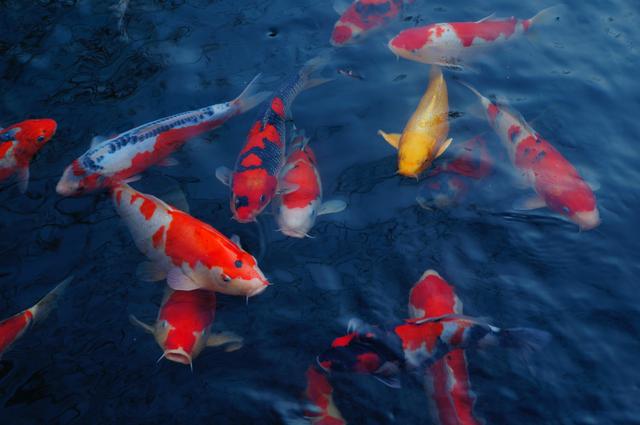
pixel 14 327
pixel 424 138
pixel 297 210
pixel 183 326
pixel 19 143
pixel 254 180
pixel 447 380
pixel 188 252
pixel 361 17
pixel 447 44
pixel 557 183
pixel 319 393
pixel 123 157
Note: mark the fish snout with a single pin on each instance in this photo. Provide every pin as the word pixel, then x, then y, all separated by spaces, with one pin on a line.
pixel 587 220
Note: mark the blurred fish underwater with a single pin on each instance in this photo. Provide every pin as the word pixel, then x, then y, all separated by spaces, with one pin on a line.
pixel 527 215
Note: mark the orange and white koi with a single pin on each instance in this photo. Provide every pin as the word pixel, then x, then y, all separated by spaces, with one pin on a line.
pixel 183 326
pixel 297 210
pixel 123 157
pixel 188 252
pixel 16 326
pixel 447 44
pixel 363 16
pixel 18 145
pixel 447 380
pixel 557 184
pixel 319 393
pixel 254 180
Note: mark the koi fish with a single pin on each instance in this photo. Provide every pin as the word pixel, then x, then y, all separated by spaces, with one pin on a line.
pixel 189 253
pixel 449 183
pixel 447 380
pixel 319 393
pixel 254 180
pixel 361 17
pixel 297 210
pixel 557 184
pixel 123 157
pixel 183 326
pixel 18 145
pixel 447 44
pixel 416 344
pixel 16 326
pixel 424 138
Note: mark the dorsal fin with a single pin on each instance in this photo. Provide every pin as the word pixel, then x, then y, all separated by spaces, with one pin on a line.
pixel 487 18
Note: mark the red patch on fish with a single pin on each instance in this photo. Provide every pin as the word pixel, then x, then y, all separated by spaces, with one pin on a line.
pixel 187 312
pixel 341 34
pixel 278 106
pixel 4 148
pixel 367 363
pixel 147 208
pixel 414 336
pixel 513 132
pixel 11 328
pixel 413 39
pixel 488 30
pixel 475 160
pixel 493 112
pixel 157 237
pixel 303 175
pixel 251 160
pixel 343 341
pixel 118 196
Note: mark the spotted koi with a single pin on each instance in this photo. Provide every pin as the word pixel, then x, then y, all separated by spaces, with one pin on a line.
pixel 123 157
pixel 189 253
pixel 557 184
pixel 319 393
pixel 18 145
pixel 362 17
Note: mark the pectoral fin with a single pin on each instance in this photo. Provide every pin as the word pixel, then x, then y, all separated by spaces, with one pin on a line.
pixel 147 328
pixel 223 338
pixel 224 175
pixel 236 240
pixel 285 188
pixel 177 280
pixel 23 179
pixel 332 207
pixel 392 138
pixel 148 271
pixel 443 147
pixel 531 203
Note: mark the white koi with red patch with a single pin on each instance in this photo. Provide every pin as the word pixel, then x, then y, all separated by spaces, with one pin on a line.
pixel 190 253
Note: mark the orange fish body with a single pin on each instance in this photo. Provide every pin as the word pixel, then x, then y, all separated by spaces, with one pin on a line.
pixel 18 145
pixel 188 252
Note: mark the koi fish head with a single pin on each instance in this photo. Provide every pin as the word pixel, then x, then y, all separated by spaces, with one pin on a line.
pixel 252 190
pixel 296 222
pixel 76 180
pixel 578 205
pixel 344 34
pixel 413 44
pixel 414 155
pixel 33 134
pixel 246 276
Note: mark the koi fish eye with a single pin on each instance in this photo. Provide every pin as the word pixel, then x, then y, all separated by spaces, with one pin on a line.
pixel 164 324
pixel 262 199
pixel 40 139
pixel 238 263
pixel 226 278
pixel 566 210
pixel 241 201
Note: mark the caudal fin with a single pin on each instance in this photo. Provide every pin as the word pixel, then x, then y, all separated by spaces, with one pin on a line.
pixel 250 98
pixel 547 16
pixel 526 339
pixel 45 305
pixel 312 66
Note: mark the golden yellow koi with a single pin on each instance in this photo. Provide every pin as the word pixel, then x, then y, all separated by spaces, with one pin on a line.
pixel 425 136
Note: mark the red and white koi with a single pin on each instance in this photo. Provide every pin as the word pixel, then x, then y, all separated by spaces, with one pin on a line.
pixel 447 380
pixel 188 252
pixel 18 145
pixel 363 16
pixel 296 211
pixel 183 326
pixel 447 44
pixel 319 393
pixel 16 326
pixel 254 180
pixel 557 184
pixel 123 157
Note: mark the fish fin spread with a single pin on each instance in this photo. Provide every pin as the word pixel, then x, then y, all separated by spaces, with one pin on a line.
pixel 388 375
pixel 594 185
pixel 249 99
pixel 487 18
pixel 392 138
pixel 236 240
pixel 526 339
pixel 332 207
pixel 530 203
pixel 97 140
pixel 46 304
pixel 548 15
pixel 145 327
pixel 168 162
pixel 179 281
pixel 285 188
pixel 443 147
pixel 224 175
pixel 341 6
pixel 23 179
pixel 223 338
pixel 10 135
pixel 175 197
pixel 132 179
pixel 148 271
pixel 446 317
pixel 313 65
pixel 288 167
pixel 483 99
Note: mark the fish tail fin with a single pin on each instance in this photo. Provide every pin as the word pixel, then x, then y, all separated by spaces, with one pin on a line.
pixel 526 339
pixel 46 304
pixel 547 16
pixel 312 66
pixel 250 97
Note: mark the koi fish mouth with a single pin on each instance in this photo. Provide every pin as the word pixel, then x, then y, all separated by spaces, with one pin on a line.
pixel 587 220
pixel 178 356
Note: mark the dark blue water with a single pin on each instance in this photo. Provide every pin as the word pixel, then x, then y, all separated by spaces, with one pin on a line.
pixel 98 73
